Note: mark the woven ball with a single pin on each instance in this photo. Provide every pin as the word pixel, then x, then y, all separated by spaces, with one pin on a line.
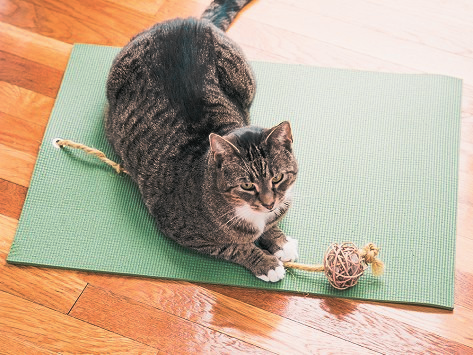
pixel 343 265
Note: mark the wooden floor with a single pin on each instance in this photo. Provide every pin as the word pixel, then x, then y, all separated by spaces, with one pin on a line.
pixel 49 311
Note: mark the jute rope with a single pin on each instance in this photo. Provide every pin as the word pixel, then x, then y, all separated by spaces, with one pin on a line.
pixel 304 267
pixel 370 254
pixel 58 142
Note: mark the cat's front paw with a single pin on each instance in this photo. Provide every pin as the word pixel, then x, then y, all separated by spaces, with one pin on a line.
pixel 273 275
pixel 289 251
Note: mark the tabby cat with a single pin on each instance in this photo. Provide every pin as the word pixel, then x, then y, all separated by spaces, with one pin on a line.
pixel 178 116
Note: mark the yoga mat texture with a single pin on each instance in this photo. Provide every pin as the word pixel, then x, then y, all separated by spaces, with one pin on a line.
pixel 378 158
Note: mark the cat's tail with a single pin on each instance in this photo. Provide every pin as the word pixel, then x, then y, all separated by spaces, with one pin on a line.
pixel 222 12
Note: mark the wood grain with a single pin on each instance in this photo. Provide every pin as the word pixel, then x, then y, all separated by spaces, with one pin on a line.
pixel 358 38
pixel 20 135
pixel 34 47
pixel 385 331
pixel 36 77
pixel 57 332
pixel 12 345
pixel 225 315
pixel 463 292
pixel 25 104
pixel 401 24
pixel 464 226
pixel 12 199
pixel 436 9
pixel 149 7
pixel 150 325
pixel 16 166
pixel 169 10
pixel 33 110
pixel 89 21
pixel 57 289
pixel 223 312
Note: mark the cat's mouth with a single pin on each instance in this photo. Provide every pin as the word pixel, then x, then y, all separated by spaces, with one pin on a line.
pixel 263 209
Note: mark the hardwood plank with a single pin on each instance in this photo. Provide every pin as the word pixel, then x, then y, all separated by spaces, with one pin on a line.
pixel 13 197
pixel 149 7
pixel 465 193
pixel 171 9
pixel 11 345
pixel 362 40
pixel 55 25
pixel 303 49
pixel 253 53
pixel 437 321
pixel 225 314
pixel 355 320
pixel 465 223
pixel 463 292
pixel 464 248
pixel 90 21
pixel 150 326
pixel 15 166
pixel 25 104
pixel 34 47
pixel 56 289
pixel 433 31
pixel 467 101
pixel 54 331
pixel 449 12
pixel 35 77
pixel 20 135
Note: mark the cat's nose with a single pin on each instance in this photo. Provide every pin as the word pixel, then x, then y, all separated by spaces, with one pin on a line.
pixel 270 206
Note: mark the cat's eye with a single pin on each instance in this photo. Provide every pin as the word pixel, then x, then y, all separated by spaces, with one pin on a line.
pixel 277 178
pixel 248 186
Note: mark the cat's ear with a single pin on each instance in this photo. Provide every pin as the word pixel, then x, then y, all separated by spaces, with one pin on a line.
pixel 280 134
pixel 221 148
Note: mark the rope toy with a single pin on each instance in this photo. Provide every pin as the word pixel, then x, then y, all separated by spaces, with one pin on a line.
pixel 59 143
pixel 343 264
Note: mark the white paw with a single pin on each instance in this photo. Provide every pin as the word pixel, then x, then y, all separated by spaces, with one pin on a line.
pixel 274 275
pixel 288 251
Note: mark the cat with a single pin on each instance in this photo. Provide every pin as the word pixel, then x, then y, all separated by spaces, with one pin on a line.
pixel 178 98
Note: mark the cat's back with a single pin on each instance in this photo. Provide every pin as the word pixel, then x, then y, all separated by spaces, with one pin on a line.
pixel 178 81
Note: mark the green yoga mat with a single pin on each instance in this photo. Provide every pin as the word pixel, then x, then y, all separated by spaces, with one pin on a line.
pixel 378 158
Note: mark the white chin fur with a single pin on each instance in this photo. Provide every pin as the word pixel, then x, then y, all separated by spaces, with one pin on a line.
pixel 257 219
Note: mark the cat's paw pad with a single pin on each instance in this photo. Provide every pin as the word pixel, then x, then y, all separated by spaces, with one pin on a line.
pixel 289 251
pixel 274 275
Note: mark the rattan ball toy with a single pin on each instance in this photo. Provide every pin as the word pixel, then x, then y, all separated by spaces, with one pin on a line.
pixel 344 264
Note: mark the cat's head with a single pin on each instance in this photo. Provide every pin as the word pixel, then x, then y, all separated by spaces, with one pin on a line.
pixel 256 167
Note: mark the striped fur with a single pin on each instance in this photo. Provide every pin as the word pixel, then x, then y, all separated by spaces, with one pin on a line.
pixel 174 90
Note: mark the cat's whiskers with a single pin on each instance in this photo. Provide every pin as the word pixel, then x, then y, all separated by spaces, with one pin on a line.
pixel 226 213
pixel 232 221
pixel 235 220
